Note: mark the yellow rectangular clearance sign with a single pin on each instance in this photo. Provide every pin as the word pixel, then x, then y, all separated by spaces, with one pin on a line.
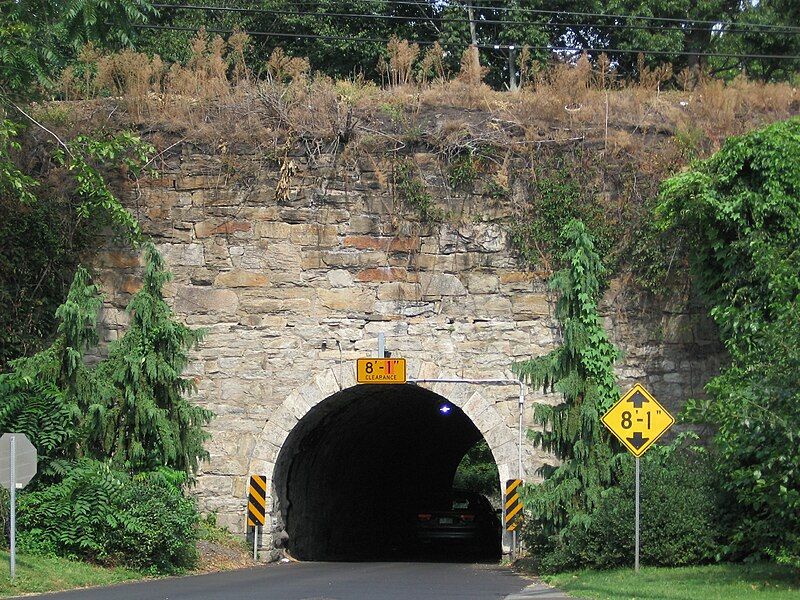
pixel 381 370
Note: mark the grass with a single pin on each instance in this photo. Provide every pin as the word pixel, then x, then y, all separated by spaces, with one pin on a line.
pixel 47 574
pixel 714 582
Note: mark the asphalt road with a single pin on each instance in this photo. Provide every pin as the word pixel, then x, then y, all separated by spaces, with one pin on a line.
pixel 323 581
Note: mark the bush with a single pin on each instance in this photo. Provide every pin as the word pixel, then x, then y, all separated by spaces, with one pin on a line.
pixel 681 518
pixel 157 529
pixel 105 516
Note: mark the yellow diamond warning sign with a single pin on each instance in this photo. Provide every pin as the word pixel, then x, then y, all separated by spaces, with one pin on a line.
pixel 637 420
pixel 381 370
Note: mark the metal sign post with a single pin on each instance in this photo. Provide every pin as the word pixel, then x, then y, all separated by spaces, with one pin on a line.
pixel 18 460
pixel 637 420
pixel 257 507
pixel 12 488
pixel 636 544
pixel 255 543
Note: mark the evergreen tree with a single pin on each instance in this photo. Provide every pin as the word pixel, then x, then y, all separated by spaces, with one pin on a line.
pixel 43 396
pixel 581 369
pixel 143 419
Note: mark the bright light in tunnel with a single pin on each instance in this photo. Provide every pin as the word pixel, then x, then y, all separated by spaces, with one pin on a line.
pixel 445 408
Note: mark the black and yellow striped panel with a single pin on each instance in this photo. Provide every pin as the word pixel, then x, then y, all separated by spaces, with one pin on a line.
pixel 513 505
pixel 257 501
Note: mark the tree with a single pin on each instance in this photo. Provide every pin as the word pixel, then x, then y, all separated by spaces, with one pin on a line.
pixel 581 370
pixel 742 210
pixel 131 408
pixel 37 37
pixel 143 419
pixel 45 227
pixel 44 396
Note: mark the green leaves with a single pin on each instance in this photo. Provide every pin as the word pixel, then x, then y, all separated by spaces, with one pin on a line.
pixel 743 208
pixel 141 417
pixel 581 370
pixel 96 200
pixel 105 515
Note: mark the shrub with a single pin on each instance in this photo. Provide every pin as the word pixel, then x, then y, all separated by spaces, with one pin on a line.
pixel 681 517
pixel 103 515
pixel 157 528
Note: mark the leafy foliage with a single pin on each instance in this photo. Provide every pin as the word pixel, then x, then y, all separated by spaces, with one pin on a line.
pixel 47 228
pixel 37 37
pixel 681 509
pixel 105 515
pixel 413 192
pixel 742 211
pixel 117 441
pixel 44 396
pixel 131 407
pixel 581 370
pixel 477 471
pixel 127 151
pixel 558 196
pixel 143 420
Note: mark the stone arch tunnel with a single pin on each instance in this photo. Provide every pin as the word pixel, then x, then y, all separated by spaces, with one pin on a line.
pixel 354 471
pixel 292 291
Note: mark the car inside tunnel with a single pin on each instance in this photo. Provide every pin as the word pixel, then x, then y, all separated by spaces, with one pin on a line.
pixel 357 474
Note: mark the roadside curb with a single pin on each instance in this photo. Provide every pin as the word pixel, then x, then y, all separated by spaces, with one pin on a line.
pixel 538 591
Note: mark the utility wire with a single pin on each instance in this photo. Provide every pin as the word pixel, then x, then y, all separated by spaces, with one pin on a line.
pixel 685 21
pixel 435 19
pixel 485 46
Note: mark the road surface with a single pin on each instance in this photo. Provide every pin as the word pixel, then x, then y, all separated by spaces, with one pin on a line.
pixel 327 581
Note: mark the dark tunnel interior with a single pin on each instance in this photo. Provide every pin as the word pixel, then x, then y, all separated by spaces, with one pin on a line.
pixel 355 471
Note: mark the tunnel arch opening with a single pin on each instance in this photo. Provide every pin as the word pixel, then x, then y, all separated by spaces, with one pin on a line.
pixel 355 470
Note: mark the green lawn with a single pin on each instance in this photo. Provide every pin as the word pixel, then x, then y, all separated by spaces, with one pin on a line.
pixel 40 574
pixel 715 582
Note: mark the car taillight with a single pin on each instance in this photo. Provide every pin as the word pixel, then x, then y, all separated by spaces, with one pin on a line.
pixel 467 518
pixel 424 516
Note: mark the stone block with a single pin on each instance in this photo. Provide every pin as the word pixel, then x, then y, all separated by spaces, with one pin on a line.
pixel 339 278
pixel 347 300
pixel 399 291
pixel 530 306
pixel 236 279
pixel 491 306
pixel 387 244
pixel 382 274
pixel 441 284
pixel 118 260
pixel 282 256
pixel 193 300
pixel 361 224
pixel 482 283
pixel 182 255
pixel 273 229
pixel 283 418
pixel 212 227
pixel 350 258
pixel 311 234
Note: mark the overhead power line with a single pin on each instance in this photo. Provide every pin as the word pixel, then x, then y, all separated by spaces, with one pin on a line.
pixel 686 21
pixel 464 20
pixel 485 46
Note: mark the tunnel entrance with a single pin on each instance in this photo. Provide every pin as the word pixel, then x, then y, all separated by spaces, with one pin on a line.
pixel 363 467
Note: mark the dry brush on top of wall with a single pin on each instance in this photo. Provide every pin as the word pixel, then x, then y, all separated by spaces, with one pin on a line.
pixel 574 141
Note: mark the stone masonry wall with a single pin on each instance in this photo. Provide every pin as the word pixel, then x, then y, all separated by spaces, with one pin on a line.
pixel 289 288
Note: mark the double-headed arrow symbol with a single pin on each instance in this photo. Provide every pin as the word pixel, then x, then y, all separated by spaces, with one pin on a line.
pixel 638 400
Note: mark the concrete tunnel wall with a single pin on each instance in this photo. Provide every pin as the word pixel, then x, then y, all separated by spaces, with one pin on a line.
pixel 345 462
pixel 355 470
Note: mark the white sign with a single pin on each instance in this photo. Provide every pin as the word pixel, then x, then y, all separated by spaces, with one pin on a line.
pixel 25 459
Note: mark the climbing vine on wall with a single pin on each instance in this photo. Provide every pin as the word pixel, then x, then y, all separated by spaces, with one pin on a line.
pixel 581 371
pixel 741 209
